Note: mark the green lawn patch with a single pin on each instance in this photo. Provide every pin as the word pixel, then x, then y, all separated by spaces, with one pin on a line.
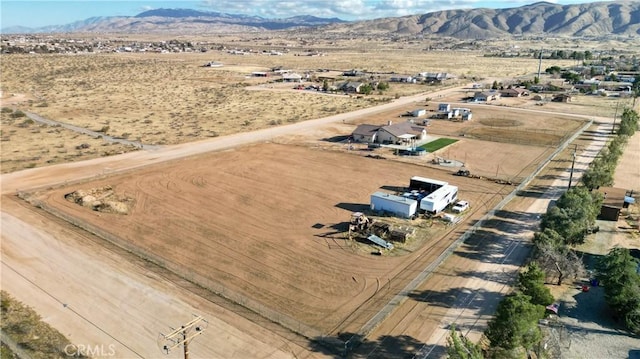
pixel 438 144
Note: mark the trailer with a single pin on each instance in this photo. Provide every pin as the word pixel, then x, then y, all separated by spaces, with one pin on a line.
pixel 436 195
pixel 438 200
pixel 399 206
pixel 418 112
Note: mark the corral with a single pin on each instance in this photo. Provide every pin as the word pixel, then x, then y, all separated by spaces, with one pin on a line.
pixel 265 226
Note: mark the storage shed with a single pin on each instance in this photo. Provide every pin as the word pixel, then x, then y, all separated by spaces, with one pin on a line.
pixel 614 201
pixel 399 206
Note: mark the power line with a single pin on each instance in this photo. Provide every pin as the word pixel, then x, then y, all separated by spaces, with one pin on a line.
pixel 183 335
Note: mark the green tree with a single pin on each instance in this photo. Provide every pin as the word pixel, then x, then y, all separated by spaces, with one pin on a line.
pixel 531 283
pixel 460 347
pixel 588 55
pixel 515 324
pixel 366 89
pixel 383 86
pixel 575 211
pixel 628 122
pixel 494 86
pixel 548 236
pixel 553 70
pixel 618 271
pixel 572 77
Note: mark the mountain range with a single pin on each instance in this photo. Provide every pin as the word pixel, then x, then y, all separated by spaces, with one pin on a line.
pixel 620 18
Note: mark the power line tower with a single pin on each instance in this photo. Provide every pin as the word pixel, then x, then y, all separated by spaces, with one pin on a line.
pixel 183 335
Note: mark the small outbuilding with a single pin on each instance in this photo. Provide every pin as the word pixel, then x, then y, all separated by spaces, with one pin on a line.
pixel 614 202
pixel 399 206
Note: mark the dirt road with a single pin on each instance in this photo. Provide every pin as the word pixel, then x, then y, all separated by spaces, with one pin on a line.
pixel 88 293
pixel 466 289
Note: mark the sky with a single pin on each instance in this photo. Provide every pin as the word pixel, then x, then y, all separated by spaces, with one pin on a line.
pixel 35 14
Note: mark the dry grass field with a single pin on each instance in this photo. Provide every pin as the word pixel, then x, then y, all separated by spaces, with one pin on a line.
pixel 265 224
pixel 170 98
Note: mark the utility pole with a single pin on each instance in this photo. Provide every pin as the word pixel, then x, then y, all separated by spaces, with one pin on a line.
pixel 573 163
pixel 183 335
pixel 613 128
pixel 539 65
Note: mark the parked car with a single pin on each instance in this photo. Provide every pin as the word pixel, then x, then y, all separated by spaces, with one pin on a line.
pixel 460 206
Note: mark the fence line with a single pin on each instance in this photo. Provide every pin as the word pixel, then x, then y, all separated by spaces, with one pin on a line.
pixel 257 307
pixel 506 200
pixel 270 314
pixel 399 298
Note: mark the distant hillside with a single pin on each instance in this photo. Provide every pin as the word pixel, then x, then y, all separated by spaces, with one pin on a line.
pixel 542 18
pixel 180 21
pixel 598 19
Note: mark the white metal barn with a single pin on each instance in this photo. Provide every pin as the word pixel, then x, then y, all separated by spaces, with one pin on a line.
pixel 437 194
pixel 400 206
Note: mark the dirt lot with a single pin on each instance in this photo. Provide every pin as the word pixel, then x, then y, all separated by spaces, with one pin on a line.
pixel 268 223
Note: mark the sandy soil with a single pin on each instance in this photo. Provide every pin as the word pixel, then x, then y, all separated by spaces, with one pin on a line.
pixel 215 186
pixel 627 173
pixel 87 291
pixel 170 98
pixel 69 173
pixel 466 289
pixel 247 221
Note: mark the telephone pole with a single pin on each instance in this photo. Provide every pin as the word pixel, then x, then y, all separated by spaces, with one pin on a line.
pixel 540 64
pixel 183 335
pixel 613 128
pixel 573 163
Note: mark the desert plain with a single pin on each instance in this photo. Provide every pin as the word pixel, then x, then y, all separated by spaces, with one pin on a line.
pixel 262 221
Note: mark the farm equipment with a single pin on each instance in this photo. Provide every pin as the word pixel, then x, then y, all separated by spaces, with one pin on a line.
pixel 362 226
pixel 359 223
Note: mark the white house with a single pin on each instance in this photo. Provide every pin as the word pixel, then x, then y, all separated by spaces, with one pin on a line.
pixel 365 133
pixel 401 78
pixel 401 133
pixel 486 96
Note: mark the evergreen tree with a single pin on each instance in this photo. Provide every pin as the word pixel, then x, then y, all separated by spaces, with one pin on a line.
pixel 515 324
pixel 460 347
pixel 622 286
pixel 531 283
